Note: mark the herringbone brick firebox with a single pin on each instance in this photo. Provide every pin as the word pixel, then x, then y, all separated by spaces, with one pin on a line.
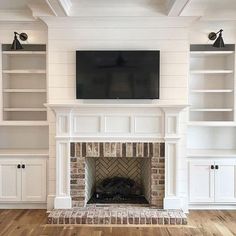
pixel 91 162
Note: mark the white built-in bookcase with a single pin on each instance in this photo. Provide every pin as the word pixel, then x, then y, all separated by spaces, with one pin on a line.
pixel 24 83
pixel 211 84
pixel 23 123
pixel 211 146
pixel 212 127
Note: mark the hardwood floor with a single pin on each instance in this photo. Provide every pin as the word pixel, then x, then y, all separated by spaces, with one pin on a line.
pixel 33 222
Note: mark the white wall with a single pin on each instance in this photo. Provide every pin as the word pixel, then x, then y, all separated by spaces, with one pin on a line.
pixel 169 35
pixel 166 35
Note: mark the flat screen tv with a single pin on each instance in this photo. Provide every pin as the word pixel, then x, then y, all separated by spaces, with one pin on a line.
pixel 117 74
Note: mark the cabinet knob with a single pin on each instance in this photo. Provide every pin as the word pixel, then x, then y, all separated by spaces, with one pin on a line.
pixel 216 167
pixel 23 166
pixel 212 167
pixel 18 166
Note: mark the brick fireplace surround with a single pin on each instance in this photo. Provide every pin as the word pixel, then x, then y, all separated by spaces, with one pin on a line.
pixel 144 137
pixel 153 151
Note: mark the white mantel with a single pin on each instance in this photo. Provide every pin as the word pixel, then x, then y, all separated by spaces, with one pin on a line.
pixel 111 122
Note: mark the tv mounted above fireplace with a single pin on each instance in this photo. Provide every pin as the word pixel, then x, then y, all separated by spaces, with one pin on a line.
pixel 117 74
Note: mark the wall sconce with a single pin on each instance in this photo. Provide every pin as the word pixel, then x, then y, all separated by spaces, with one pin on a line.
pixel 16 45
pixel 219 43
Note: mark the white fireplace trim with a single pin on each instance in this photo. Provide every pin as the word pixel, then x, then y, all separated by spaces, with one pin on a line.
pixel 63 199
pixel 66 132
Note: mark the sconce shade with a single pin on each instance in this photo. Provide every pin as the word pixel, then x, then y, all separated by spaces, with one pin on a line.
pixel 16 45
pixel 219 43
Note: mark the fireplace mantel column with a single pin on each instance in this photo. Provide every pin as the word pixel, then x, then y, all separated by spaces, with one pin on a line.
pixel 63 198
pixel 172 199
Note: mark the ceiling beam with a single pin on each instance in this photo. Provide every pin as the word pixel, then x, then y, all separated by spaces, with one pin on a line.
pixel 175 7
pixel 60 7
pixel 66 6
pixel 16 15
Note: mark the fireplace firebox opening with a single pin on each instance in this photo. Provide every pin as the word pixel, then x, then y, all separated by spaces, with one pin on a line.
pixel 117 180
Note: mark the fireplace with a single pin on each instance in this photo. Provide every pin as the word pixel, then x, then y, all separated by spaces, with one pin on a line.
pixel 138 167
pixel 87 135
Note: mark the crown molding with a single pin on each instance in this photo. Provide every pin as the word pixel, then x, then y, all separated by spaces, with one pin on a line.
pixel 16 15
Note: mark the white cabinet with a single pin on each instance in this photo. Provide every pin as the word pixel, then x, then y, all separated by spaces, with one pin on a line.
pixel 212 181
pixel 34 180
pixel 201 179
pixel 10 180
pixel 22 180
pixel 225 181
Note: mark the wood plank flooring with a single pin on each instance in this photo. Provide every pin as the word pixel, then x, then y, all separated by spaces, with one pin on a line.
pixel 33 222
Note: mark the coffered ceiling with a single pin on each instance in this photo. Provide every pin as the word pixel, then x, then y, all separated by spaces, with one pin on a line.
pixel 203 9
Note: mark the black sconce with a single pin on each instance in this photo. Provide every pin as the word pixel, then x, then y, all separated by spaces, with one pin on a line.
pixel 16 45
pixel 219 43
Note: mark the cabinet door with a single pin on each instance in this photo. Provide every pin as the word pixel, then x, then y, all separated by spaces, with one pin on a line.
pixel 34 180
pixel 10 181
pixel 201 181
pixel 225 189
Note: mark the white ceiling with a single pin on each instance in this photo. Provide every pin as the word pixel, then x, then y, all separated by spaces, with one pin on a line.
pixel 206 9
pixel 13 4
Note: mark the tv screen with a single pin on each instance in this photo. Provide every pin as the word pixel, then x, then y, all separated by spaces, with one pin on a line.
pixel 117 74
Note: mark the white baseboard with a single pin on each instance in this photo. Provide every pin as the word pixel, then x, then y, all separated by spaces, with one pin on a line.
pixel 23 205
pixel 212 207
pixel 50 202
pixel 172 203
pixel 62 202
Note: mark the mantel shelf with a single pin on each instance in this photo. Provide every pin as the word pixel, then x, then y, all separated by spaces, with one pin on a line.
pixel 74 104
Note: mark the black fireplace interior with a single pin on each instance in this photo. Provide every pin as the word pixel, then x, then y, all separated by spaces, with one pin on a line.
pixel 118 190
pixel 119 180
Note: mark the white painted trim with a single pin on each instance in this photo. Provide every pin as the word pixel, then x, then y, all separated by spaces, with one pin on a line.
pixel 169 118
pixel 22 205
pixel 172 203
pixel 209 206
pixel 50 202
pixel 76 104
pixel 16 15
pixel 63 199
pixel 65 5
pixel 176 7
pixel 115 139
pixel 62 202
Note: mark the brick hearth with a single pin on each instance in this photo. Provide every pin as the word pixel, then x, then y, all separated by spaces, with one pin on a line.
pixel 116 215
